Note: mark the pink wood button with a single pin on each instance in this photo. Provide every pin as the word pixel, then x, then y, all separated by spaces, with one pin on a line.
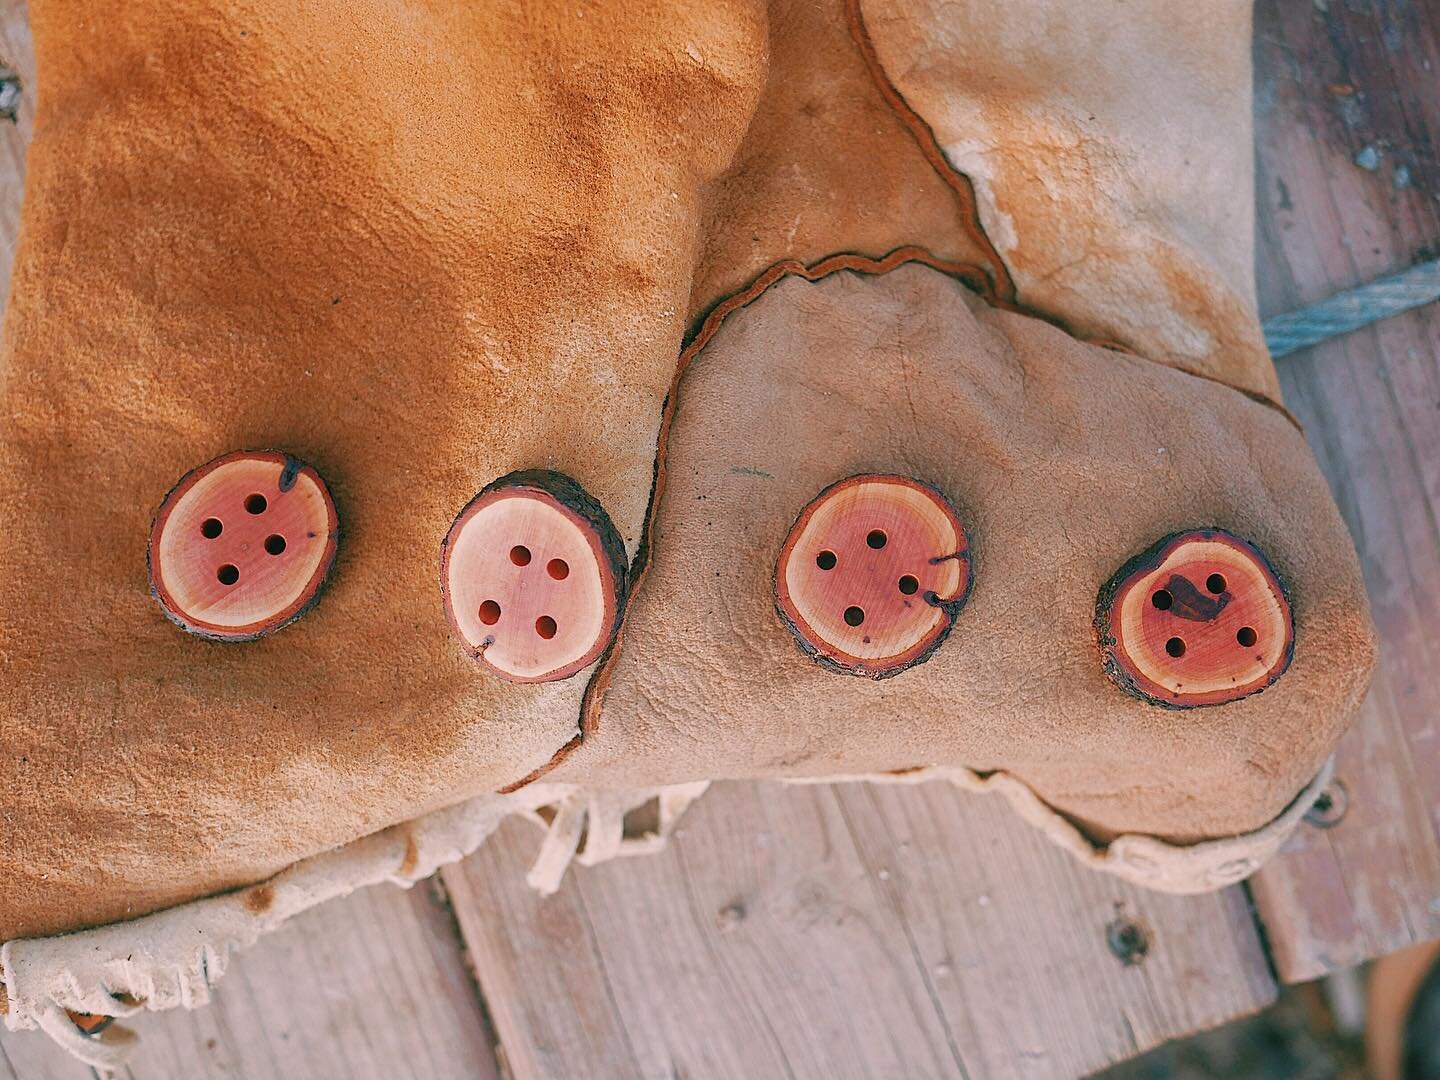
pixel 241 546
pixel 532 574
pixel 1198 619
pixel 873 574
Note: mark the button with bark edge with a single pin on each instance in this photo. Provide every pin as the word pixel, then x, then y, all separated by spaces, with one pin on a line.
pixel 533 577
pixel 241 546
pixel 873 574
pixel 1198 619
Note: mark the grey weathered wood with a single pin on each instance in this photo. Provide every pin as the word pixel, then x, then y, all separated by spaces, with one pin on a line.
pixel 29 1055
pixel 16 57
pixel 1339 84
pixel 374 985
pixel 842 931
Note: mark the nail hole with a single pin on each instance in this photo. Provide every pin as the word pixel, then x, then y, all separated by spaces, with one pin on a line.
pixel 228 574
pixel 1246 636
pixel 545 627
pixel 489 612
pixel 1162 600
pixel 275 543
pixel 255 504
pixel 877 539
pixel 558 569
pixel 1175 647
pixel 520 555
pixel 1330 806
pixel 1129 940
pixel 909 585
pixel 826 560
pixel 210 528
pixel 1215 583
pixel 854 616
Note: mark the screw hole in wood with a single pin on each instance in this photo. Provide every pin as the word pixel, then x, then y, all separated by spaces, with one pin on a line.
pixel 1330 806
pixel 1129 940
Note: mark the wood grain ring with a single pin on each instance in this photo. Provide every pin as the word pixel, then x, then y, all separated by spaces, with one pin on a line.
pixel 242 545
pixel 873 574
pixel 533 574
pixel 1199 618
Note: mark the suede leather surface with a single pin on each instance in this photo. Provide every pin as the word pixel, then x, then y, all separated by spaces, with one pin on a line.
pixel 422 245
pixel 419 246
pixel 1111 148
pixel 1064 459
pixel 825 167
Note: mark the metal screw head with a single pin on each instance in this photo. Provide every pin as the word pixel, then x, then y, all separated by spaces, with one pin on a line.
pixel 1330 806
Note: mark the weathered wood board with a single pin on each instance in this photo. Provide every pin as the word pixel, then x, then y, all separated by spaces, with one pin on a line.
pixel 1348 119
pixel 372 986
pixel 818 931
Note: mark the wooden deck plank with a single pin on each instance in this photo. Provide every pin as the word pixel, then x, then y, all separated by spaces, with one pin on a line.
pixel 818 931
pixel 373 985
pixel 1336 86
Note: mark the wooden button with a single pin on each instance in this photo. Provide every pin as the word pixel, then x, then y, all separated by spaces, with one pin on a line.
pixel 241 546
pixel 872 575
pixel 1198 619
pixel 533 577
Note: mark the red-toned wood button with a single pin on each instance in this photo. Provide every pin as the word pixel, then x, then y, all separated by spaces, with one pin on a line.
pixel 1198 619
pixel 873 573
pixel 533 577
pixel 241 546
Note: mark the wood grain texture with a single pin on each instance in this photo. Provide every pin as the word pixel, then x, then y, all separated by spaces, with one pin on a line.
pixel 374 985
pixel 242 545
pixel 873 574
pixel 532 574
pixel 818 931
pixel 1198 619
pixel 1349 126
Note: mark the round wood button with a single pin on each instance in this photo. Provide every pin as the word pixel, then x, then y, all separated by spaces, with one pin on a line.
pixel 873 574
pixel 1198 619
pixel 533 576
pixel 241 546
